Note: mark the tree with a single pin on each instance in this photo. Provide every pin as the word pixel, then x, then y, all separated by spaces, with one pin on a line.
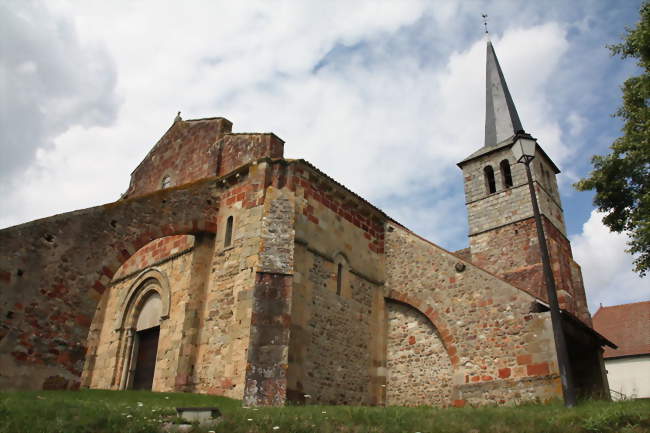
pixel 622 178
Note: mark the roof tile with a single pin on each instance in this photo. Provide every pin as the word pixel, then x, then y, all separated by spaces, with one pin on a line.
pixel 627 325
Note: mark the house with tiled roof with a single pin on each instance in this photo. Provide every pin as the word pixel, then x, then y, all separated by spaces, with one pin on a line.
pixel 628 367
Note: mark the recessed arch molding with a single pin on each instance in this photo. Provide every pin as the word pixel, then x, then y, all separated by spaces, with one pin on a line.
pixel 138 290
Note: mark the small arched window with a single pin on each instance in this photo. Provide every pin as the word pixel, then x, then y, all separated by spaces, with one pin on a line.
pixel 506 175
pixel 228 236
pixel 342 277
pixel 339 278
pixel 166 181
pixel 490 184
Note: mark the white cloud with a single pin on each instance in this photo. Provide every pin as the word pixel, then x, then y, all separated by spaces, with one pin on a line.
pixel 384 96
pixel 49 81
pixel 577 123
pixel 373 115
pixel 606 267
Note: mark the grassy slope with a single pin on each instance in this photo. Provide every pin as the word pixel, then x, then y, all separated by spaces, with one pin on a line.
pixel 129 412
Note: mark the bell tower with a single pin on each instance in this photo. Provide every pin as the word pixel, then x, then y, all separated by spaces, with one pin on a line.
pixel 502 233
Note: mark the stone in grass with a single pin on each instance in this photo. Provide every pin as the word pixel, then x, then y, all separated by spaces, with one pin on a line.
pixel 201 415
pixel 193 415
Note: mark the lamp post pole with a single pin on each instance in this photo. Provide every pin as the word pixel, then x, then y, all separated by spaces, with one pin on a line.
pixel 568 389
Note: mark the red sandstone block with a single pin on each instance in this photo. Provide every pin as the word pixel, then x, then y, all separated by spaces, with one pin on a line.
pixel 99 287
pixel 83 320
pixel 524 359
pixel 537 369
pixel 459 403
pixel 411 340
pixel 5 277
pixel 504 373
pixel 476 378
pixel 486 378
pixel 211 227
pixel 123 256
pixel 108 272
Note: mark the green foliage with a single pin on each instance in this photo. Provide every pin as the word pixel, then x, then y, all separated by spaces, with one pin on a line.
pixel 147 412
pixel 622 178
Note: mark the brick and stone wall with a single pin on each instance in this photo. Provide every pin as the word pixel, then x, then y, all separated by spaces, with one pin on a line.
pixel 493 340
pixel 224 326
pixel 487 211
pixel 53 272
pixel 195 149
pixel 512 252
pixel 154 252
pixel 503 237
pixel 211 322
pixel 106 355
pixel 241 148
pixel 418 365
pixel 187 152
pixel 318 297
pixel 334 348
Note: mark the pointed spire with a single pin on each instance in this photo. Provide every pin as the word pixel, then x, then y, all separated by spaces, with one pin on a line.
pixel 501 118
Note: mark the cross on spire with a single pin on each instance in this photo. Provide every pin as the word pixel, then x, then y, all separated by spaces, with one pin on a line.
pixel 485 16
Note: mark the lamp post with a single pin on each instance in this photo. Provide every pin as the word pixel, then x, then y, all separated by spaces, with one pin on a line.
pixel 524 151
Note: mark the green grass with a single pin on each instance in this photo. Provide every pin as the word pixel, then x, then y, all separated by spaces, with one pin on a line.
pixel 143 412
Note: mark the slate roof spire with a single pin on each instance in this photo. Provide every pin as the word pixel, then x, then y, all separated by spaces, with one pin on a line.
pixel 501 118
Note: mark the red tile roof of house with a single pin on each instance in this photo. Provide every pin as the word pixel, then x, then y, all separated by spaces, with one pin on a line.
pixel 627 325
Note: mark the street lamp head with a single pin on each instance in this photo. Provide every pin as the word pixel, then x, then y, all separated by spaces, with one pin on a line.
pixel 524 147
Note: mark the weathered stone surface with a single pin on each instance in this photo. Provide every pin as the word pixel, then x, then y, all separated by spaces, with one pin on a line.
pixel 483 322
pixel 60 266
pixel 278 284
pixel 503 237
pixel 418 364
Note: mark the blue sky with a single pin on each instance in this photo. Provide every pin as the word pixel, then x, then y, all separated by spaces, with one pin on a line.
pixel 384 96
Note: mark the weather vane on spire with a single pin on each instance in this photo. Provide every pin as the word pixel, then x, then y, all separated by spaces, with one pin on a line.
pixel 485 22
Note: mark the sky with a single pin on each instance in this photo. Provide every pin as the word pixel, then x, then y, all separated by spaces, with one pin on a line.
pixel 384 96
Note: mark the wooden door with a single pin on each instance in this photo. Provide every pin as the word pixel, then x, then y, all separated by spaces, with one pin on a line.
pixel 145 365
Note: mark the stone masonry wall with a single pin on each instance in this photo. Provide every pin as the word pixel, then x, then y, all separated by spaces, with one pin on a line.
pixel 241 148
pixel 154 252
pixel 268 353
pixel 53 272
pixel 500 352
pixel 225 323
pixel 488 211
pixel 512 252
pixel 418 365
pixel 186 152
pixel 330 355
pixel 334 351
pixel 109 358
pixel 503 238
pixel 212 322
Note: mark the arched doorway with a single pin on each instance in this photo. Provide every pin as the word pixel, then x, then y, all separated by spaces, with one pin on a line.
pixel 147 332
pixel 145 306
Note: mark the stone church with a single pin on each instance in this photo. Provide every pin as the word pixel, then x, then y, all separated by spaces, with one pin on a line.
pixel 228 269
